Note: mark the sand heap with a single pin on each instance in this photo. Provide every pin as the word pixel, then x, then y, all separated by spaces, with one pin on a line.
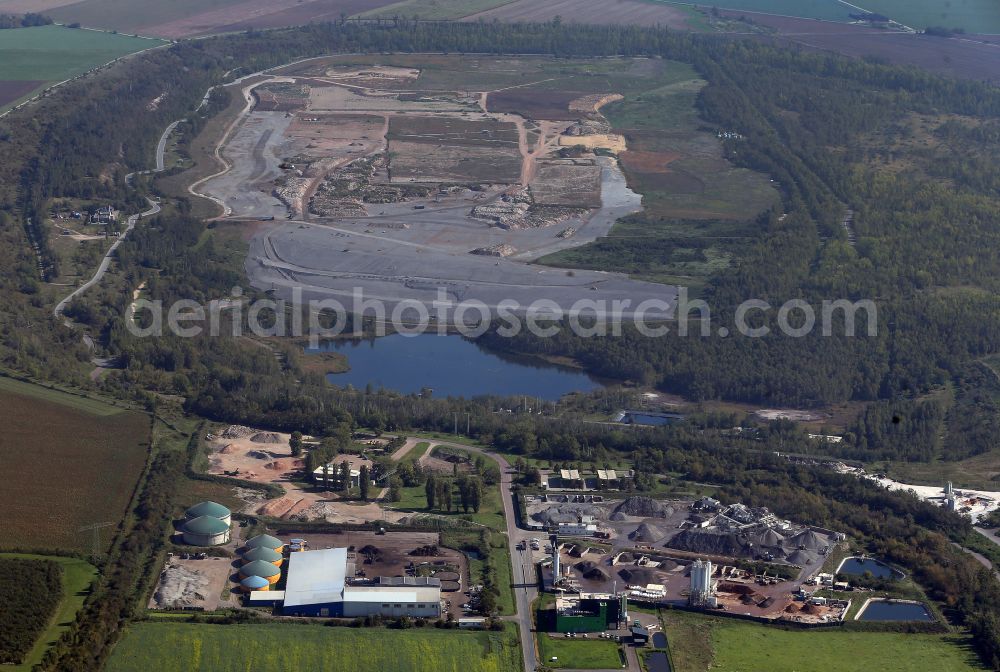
pixel 643 507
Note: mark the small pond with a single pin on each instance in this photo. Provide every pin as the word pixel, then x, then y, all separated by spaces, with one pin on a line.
pixel 659 640
pixel 883 610
pixel 657 662
pixel 862 566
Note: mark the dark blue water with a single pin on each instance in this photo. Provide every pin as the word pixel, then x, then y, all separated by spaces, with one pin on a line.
pixel 856 567
pixel 654 420
pixel 451 366
pixel 896 611
pixel 657 662
pixel 659 640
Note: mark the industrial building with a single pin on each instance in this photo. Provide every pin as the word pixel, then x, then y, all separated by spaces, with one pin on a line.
pixel 321 583
pixel 702 587
pixel 205 531
pixel 589 612
pixel 213 509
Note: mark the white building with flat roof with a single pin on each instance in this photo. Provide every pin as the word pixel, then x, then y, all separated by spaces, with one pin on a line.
pixel 317 585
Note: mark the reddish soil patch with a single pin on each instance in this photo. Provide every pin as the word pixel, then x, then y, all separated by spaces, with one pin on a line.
pixel 975 57
pixel 648 162
pixel 535 103
pixel 12 90
pixel 588 11
pixel 261 14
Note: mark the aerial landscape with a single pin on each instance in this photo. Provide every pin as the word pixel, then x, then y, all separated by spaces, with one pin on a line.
pixel 500 335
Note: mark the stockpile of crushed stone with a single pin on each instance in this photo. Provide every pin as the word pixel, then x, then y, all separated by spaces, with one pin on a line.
pixel 801 558
pixel 180 587
pixel 643 507
pixel 710 543
pixel 236 432
pixel 567 513
pixel 646 532
pixel 265 437
pixel 806 539
pixel 770 538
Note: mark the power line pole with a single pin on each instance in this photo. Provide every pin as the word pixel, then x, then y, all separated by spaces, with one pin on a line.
pixel 96 528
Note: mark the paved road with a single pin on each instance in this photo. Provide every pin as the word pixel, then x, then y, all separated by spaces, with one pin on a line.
pixel 161 147
pixel 105 262
pixel 525 583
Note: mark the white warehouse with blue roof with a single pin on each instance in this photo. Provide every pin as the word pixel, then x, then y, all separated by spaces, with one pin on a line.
pixel 317 584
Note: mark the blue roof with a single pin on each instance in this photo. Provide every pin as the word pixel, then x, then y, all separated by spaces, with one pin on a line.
pixel 316 577
pixel 254 582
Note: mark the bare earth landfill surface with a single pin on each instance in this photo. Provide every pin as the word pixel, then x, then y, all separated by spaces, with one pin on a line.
pixel 414 187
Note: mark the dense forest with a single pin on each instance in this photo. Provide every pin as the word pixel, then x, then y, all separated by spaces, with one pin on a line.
pixel 30 591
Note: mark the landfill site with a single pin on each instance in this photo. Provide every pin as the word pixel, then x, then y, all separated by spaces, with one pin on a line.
pixel 366 181
pixel 648 549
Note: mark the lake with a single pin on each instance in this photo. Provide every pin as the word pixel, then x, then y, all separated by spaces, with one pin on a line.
pixel 880 610
pixel 451 366
pixel 859 567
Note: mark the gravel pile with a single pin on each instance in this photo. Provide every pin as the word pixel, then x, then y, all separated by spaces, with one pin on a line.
pixel 646 532
pixel 237 432
pixel 643 507
pixel 180 587
pixel 567 513
pixel 807 539
pixel 265 437
pixel 710 542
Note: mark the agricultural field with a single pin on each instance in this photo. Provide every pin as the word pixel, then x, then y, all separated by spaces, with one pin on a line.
pixel 698 642
pixel 78 456
pixel 637 12
pixel 827 10
pixel 973 16
pixel 187 647
pixel 77 576
pixel 32 58
pixel 578 654
pixel 434 10
pixel 186 18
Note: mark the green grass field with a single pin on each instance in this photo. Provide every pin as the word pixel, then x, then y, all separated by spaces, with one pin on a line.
pixel 273 647
pixel 975 16
pixel 829 10
pixel 77 577
pixel 698 642
pixel 52 54
pixel 578 654
pixel 435 9
pixel 74 401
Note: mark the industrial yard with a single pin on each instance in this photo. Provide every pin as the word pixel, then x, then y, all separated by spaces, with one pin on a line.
pixel 410 189
pixel 649 550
